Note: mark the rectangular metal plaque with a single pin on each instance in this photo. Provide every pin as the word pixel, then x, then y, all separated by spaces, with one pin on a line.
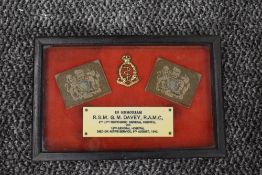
pixel 173 82
pixel 128 122
pixel 82 83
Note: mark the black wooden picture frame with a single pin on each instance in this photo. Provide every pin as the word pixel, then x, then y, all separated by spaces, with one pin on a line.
pixel 39 154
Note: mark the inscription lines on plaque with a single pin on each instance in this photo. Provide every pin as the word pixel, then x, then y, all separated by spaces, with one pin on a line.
pixel 128 122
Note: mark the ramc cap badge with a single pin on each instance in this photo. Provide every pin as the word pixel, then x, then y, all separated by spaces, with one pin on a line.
pixel 127 73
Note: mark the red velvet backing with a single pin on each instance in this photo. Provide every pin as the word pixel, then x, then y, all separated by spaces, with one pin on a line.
pixel 63 127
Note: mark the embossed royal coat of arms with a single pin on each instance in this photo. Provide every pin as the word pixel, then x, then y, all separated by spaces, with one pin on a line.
pixel 82 83
pixel 173 82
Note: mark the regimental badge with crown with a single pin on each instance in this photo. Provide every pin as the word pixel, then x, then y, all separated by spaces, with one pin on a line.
pixel 127 73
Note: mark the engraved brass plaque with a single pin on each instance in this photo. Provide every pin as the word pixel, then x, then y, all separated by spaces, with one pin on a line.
pixel 128 122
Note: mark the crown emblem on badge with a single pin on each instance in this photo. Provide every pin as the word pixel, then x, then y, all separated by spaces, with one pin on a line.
pixel 127 73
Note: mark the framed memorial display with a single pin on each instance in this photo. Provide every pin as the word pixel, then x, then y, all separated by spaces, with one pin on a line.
pixel 127 97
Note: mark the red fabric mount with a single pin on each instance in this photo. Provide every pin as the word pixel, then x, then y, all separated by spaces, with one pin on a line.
pixel 63 127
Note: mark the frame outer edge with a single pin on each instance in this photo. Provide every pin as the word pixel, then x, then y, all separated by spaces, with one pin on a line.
pixel 214 41
pixel 219 97
pixel 36 149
